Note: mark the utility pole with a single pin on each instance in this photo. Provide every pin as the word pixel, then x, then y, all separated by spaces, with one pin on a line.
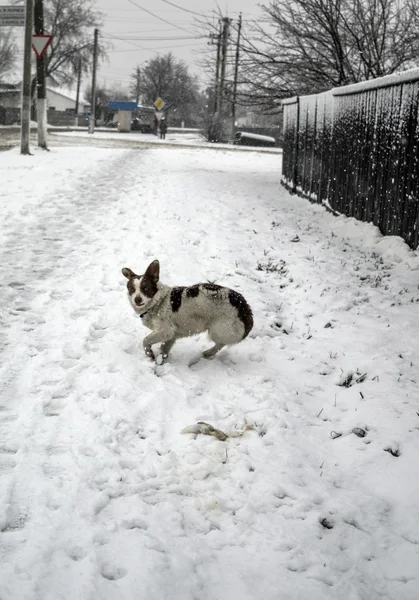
pixel 137 76
pixel 217 68
pixel 76 110
pixel 41 88
pixel 236 74
pixel 26 83
pixel 224 44
pixel 93 109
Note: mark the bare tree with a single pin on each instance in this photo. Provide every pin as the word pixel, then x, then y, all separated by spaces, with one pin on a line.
pixel 169 78
pixel 8 51
pixel 71 22
pixel 307 46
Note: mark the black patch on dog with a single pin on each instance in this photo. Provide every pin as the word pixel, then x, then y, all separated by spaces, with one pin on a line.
pixel 243 310
pixel 212 287
pixel 193 291
pixel 148 286
pixel 176 298
pixel 130 286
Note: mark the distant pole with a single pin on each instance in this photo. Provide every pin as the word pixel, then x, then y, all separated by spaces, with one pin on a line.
pixel 217 72
pixel 137 85
pixel 25 116
pixel 76 110
pixel 224 44
pixel 236 75
pixel 41 88
pixel 93 109
pixel 219 122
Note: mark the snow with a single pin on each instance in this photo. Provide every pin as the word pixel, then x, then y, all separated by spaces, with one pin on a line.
pixel 174 137
pixel 101 495
pixel 254 136
pixel 372 84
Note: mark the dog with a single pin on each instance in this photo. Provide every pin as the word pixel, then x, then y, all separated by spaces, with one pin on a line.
pixel 176 312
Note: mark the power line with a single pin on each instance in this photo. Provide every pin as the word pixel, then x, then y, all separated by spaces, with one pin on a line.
pixel 149 39
pixel 156 16
pixel 137 32
pixel 135 49
pixel 184 9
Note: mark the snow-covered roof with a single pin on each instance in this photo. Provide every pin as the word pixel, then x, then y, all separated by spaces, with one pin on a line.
pixel 66 93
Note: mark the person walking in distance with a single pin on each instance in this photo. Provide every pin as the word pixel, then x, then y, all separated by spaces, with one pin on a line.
pixel 163 128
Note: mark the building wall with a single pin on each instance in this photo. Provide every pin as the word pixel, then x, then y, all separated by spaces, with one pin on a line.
pixel 10 99
pixel 59 102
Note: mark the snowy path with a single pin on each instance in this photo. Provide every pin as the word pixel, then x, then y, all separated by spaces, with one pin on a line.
pixel 101 497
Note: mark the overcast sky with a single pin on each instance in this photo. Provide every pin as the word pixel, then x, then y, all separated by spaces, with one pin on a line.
pixel 168 29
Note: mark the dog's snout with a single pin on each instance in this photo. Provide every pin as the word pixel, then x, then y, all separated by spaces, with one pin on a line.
pixel 138 300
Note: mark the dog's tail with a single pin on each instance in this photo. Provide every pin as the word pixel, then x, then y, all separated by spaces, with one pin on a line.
pixel 243 310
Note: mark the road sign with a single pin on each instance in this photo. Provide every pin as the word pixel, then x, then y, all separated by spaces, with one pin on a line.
pixel 12 16
pixel 40 43
pixel 15 22
pixel 159 103
pixel 13 11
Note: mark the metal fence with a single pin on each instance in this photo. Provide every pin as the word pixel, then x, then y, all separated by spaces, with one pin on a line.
pixel 355 149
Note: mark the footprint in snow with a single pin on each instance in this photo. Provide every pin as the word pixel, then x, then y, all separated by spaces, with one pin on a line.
pixel 112 572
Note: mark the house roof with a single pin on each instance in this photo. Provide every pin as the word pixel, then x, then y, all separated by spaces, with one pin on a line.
pixel 69 94
pixel 14 88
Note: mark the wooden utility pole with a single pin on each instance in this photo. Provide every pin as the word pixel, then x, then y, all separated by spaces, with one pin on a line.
pixel 93 109
pixel 41 88
pixel 26 83
pixel 236 74
pixel 76 110
pixel 224 44
pixel 137 76
pixel 217 70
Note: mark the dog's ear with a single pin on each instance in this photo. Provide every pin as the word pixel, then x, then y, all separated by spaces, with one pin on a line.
pixel 153 270
pixel 128 273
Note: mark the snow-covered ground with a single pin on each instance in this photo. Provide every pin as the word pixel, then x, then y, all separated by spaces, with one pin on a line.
pixel 101 495
pixel 174 137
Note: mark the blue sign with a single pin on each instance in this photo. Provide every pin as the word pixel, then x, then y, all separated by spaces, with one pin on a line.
pixel 122 105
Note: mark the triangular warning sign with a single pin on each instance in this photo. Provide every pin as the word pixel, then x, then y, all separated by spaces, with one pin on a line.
pixel 40 43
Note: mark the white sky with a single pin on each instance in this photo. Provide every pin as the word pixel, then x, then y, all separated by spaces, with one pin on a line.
pixel 179 35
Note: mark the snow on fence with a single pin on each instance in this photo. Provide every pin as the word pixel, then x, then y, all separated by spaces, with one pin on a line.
pixel 356 150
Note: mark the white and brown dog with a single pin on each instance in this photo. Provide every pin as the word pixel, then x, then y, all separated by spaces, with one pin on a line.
pixel 175 312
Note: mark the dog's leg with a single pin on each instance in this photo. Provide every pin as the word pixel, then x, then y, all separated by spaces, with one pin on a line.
pixel 153 338
pixel 211 351
pixel 166 347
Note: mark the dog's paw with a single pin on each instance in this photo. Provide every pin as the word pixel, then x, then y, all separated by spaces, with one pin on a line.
pixel 150 354
pixel 161 359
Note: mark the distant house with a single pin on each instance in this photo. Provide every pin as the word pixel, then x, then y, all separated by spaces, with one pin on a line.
pixel 248 120
pixel 65 101
pixel 9 95
pixel 58 100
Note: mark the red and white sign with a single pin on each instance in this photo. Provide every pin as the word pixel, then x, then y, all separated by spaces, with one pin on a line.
pixel 40 43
